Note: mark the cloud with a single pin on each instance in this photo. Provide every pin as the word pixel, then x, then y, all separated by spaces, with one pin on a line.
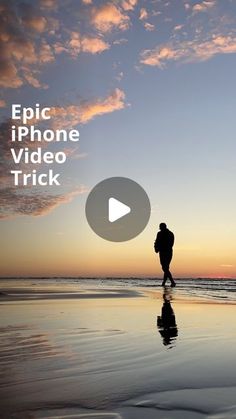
pixel 72 115
pixel 74 153
pixel 120 76
pixel 143 14
pixel 108 17
pixel 77 44
pixel 158 56
pixel 94 45
pixel 25 200
pixel 9 76
pixel 204 6
pixel 48 4
pixel 121 41
pixel 31 38
pixel 189 51
pixel 128 5
pixel 45 54
pixel 2 103
pixel 31 18
pixel 29 76
pixel 149 26
pixel 227 266
pixel 114 102
pixel 21 54
pixel 187 6
pixel 87 2
pixel 73 46
pixel 15 202
pixel 36 23
pixel 178 27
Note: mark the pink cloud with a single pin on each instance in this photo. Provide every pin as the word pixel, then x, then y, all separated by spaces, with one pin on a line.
pixel 94 45
pixel 73 115
pixel 189 51
pixel 15 202
pixel 37 23
pixel 2 103
pixel 143 14
pixel 128 5
pixel 108 16
pixel 149 26
pixel 48 4
pixel 31 38
pixel 204 6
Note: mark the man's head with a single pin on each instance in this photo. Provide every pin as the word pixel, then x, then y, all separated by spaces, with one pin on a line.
pixel 163 226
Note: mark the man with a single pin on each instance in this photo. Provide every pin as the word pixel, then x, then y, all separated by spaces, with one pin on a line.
pixel 163 245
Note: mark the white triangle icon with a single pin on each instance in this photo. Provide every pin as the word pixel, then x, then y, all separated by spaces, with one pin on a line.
pixel 116 210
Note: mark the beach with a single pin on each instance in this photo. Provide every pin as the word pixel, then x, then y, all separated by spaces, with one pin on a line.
pixel 102 349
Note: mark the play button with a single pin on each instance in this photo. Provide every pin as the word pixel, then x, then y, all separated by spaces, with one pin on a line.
pixel 118 209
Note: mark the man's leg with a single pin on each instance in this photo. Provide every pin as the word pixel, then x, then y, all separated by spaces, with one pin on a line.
pixel 165 263
pixel 173 284
pixel 169 275
pixel 168 259
pixel 165 277
pixel 164 267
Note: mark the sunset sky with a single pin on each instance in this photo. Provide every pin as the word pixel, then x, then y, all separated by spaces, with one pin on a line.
pixel 150 85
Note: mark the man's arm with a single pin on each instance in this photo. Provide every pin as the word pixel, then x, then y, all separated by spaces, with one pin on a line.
pixel 156 243
pixel 172 239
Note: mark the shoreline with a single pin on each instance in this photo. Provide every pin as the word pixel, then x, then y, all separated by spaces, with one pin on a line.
pixel 30 294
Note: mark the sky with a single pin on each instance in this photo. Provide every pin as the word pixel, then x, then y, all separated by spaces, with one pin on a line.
pixel 150 85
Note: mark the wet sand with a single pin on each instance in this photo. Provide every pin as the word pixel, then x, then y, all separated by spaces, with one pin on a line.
pixel 98 353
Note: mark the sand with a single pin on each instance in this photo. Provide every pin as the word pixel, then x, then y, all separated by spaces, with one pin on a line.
pixel 98 353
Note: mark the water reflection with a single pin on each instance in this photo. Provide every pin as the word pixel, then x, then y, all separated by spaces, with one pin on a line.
pixel 166 323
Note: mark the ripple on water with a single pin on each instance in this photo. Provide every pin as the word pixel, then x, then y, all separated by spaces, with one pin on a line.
pixel 100 415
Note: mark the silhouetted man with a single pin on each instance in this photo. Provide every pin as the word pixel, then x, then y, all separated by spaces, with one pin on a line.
pixel 163 245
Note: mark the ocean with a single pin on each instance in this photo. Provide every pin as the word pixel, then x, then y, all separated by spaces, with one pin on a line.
pixel 217 289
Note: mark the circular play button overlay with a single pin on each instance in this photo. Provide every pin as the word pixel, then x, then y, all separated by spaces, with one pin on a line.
pixel 118 209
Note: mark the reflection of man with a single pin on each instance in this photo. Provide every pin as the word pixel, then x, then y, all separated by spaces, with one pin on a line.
pixel 163 245
pixel 166 322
